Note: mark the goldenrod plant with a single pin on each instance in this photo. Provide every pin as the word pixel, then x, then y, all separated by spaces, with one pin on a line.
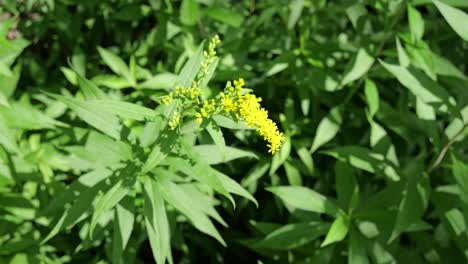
pixel 201 131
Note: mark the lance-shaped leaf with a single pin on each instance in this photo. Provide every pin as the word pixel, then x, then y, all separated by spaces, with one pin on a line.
pixel 327 128
pixel 156 222
pixel 176 197
pixel 456 18
pixel 420 85
pixel 94 115
pixel 117 65
pixel 305 199
pixel 291 236
pixel 123 226
pixel 124 109
pixel 365 159
pixel 338 230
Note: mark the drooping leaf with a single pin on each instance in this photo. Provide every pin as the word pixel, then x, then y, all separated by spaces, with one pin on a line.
pixel 156 222
pixel 291 236
pixel 416 23
pixel 189 13
pixel 93 114
pixel 365 159
pixel 358 67
pixel 305 199
pixel 124 109
pixel 176 197
pixel 456 18
pixel 210 155
pixel 124 219
pixel 217 135
pixel 191 67
pixel 327 128
pixel 356 248
pixel 116 64
pixel 113 196
pixel 225 16
pixel 372 97
pixel 420 85
pixel 338 230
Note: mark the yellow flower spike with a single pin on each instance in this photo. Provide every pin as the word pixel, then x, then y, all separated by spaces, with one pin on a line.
pixel 247 107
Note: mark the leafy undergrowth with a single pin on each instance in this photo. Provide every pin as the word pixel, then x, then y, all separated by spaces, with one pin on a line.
pixel 201 131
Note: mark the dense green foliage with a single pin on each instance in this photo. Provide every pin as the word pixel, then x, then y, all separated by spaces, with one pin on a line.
pixel 371 96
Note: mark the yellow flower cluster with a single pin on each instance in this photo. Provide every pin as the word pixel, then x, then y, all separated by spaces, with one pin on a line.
pixel 208 109
pixel 245 107
pixel 249 109
pixel 233 101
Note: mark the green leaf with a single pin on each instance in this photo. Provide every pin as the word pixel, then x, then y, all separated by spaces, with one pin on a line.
pixel 456 221
pixel 414 201
pixel 9 84
pixel 162 81
pixel 112 197
pixel 156 222
pixel 217 135
pixel 276 68
pixel 416 24
pixel 293 174
pixel 255 174
pixel 346 184
pixel 117 65
pixel 233 187
pixel 7 136
pixel 457 125
pixel 111 81
pixel 124 109
pixel 123 226
pixel 161 149
pixel 305 199
pixel 189 12
pixel 420 85
pixel 296 10
pixel 292 236
pixel 327 128
pixel 5 70
pixel 403 57
pixel 356 248
pixel 338 230
pixel 203 200
pixel 372 97
pixel 365 159
pixel 306 159
pixel 70 75
pixel 424 111
pixel 93 114
pixel 82 193
pixel 357 67
pixel 200 170
pixel 227 122
pixel 89 89
pixel 280 157
pixel 460 173
pixel 210 155
pixel 225 16
pixel 25 116
pixel 176 197
pixel 456 18
pixel 191 67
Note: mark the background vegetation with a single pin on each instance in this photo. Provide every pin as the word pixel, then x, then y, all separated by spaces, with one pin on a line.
pixel 371 95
